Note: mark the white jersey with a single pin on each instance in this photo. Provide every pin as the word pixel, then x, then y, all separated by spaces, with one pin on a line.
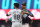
pixel 16 15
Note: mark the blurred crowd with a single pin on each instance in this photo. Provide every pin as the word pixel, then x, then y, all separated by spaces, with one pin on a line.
pixel 3 23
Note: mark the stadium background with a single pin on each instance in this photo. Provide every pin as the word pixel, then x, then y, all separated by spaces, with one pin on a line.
pixel 31 5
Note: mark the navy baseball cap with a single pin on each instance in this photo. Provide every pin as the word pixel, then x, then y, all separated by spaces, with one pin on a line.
pixel 24 3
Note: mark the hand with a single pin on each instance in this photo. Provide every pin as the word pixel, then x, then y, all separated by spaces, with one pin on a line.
pixel 6 20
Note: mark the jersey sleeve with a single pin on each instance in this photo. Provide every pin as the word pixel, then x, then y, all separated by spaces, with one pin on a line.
pixel 29 12
pixel 9 13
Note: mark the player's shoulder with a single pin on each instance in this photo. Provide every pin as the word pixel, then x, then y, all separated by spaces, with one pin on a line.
pixel 12 10
pixel 20 9
pixel 27 10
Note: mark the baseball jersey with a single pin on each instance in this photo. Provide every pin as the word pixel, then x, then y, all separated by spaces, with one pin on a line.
pixel 26 15
pixel 16 15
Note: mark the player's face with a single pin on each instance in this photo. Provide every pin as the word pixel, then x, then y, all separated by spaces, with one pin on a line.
pixel 23 7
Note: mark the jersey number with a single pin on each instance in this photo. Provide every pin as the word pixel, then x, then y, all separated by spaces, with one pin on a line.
pixel 17 17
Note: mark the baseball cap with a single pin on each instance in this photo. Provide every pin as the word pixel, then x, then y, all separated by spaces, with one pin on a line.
pixel 24 3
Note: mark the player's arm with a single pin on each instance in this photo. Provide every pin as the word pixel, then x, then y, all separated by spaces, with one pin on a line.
pixel 24 13
pixel 30 14
pixel 9 13
pixel 6 19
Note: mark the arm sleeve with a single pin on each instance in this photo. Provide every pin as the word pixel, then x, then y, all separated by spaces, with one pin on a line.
pixel 9 13
pixel 30 13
